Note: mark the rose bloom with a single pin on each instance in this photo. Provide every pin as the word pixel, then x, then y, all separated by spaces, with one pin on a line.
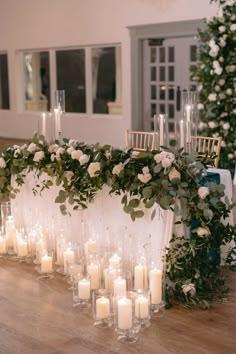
pixel 93 168
pixel 2 162
pixel 39 155
pixel 212 97
pixel 70 150
pixel 203 192
pixel 229 92
pixel 200 106
pixel 221 82
pixel 158 158
pixel 32 147
pixel 53 148
pixel 76 154
pixel 117 169
pixel 84 159
pixel 189 288
pixel 233 27
pixel 202 231
pixel 226 126
pixel 144 178
pixel 68 175
pixel 212 125
pixel 145 170
pixel 174 174
pixel 222 28
pixel 166 162
pixel 230 156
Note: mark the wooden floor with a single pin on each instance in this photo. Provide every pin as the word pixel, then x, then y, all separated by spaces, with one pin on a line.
pixel 37 317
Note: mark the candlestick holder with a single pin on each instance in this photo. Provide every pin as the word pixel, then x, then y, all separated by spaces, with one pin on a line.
pixel 142 308
pixel 93 269
pixel 126 326
pixel 102 302
pixel 82 291
pixel 189 121
pixel 161 125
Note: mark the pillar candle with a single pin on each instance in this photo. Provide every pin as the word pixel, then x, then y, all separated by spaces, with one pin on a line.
pixel 84 289
pixel 181 129
pixel 124 308
pixel 44 124
pixel 46 264
pixel 115 260
pixel 22 248
pixel 139 276
pixel 102 308
pixel 161 122
pixel 188 124
pixel 3 245
pixel 90 247
pixel 69 257
pixel 155 280
pixel 120 286
pixel 93 271
pixel 141 307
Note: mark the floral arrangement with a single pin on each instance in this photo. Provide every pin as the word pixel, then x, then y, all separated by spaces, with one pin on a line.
pixel 172 179
pixel 215 73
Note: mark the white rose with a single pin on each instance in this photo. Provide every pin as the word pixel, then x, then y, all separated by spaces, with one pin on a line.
pixel 93 168
pixel 212 97
pixel 222 43
pixel 203 192
pixel 166 162
pixel 60 151
pixel 158 158
pixel 17 152
pixel 2 162
pixel 224 114
pixel 200 106
pixel 70 150
pixel 214 51
pixel 84 159
pixel 217 88
pixel 230 156
pixel 32 147
pixel 221 59
pixel 230 68
pixel 145 170
pixel 233 27
pixel 221 82
pixel 218 70
pixel 52 157
pixel 76 154
pixel 144 178
pixel 222 29
pixel 223 144
pixel 229 92
pixel 39 155
pixel 189 288
pixel 117 169
pixel 226 126
pixel 68 175
pixel 174 174
pixel 53 148
pixel 212 125
pixel 202 231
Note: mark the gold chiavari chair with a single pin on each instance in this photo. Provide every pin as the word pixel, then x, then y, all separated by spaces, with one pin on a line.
pixel 205 144
pixel 141 141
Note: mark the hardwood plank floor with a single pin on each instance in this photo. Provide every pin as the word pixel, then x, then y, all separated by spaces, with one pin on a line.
pixel 37 317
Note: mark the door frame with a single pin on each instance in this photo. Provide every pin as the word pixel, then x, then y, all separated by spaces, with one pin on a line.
pixel 137 35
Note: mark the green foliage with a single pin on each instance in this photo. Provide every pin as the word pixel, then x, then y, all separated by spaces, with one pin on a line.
pixel 171 179
pixel 215 72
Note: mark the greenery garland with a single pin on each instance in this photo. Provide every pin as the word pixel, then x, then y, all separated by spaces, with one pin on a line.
pixel 172 179
pixel 215 73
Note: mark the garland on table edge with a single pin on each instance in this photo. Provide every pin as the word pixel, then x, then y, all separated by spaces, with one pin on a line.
pixel 173 180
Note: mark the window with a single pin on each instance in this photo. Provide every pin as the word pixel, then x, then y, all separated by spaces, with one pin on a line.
pixel 4 85
pixel 37 81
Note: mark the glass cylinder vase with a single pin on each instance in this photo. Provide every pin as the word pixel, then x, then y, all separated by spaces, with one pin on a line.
pixel 102 301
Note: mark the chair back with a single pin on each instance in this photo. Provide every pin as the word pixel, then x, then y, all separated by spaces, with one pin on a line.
pixel 209 145
pixel 141 141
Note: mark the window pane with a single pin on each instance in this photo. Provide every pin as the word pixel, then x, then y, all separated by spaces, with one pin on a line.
pixel 162 108
pixel 4 86
pixel 162 73
pixel 153 92
pixel 193 53
pixel 171 73
pixel 162 54
pixel 162 92
pixel 153 54
pixel 171 54
pixel 171 110
pixel 106 80
pixel 37 81
pixel 153 73
pixel 171 93
pixel 71 78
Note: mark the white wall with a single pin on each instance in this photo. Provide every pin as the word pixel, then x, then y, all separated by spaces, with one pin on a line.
pixel 28 24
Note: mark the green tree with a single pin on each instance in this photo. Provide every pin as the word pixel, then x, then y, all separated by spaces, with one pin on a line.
pixel 216 74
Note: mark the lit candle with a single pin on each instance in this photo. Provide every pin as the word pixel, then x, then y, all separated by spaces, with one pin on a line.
pixel 22 248
pixel 161 120
pixel 46 264
pixel 155 279
pixel 93 271
pixel 120 286
pixel 124 308
pixel 115 260
pixel 188 122
pixel 181 128
pixel 141 307
pixel 44 124
pixel 140 273
pixel 84 289
pixel 90 247
pixel 102 308
pixel 10 232
pixel 69 257
pixel 3 245
pixel 57 114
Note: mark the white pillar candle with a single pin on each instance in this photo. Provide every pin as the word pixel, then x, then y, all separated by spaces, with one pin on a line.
pixel 188 124
pixel 69 257
pixel 111 276
pixel 90 247
pixel 10 232
pixel 120 286
pixel 93 271
pixel 140 275
pixel 46 264
pixel 181 128
pixel 155 280
pixel 84 289
pixel 141 307
pixel 115 260
pixel 3 245
pixel 44 124
pixel 22 248
pixel 102 308
pixel 124 308
pixel 161 122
